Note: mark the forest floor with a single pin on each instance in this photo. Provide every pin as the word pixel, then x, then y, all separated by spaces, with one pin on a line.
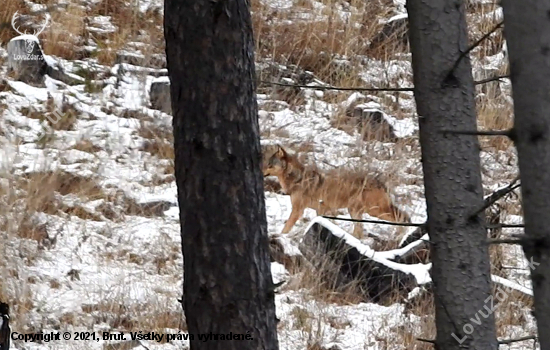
pixel 88 208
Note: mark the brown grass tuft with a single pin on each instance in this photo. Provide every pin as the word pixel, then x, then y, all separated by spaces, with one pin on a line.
pixel 7 11
pixel 85 145
pixel 314 38
pixel 495 112
pixel 160 140
pixel 65 35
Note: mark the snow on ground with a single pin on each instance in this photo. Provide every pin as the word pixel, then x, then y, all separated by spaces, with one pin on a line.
pixel 96 267
pixel 100 273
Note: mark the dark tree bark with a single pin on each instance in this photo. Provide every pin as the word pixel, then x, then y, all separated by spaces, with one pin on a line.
pixel 227 278
pixel 528 37
pixel 444 94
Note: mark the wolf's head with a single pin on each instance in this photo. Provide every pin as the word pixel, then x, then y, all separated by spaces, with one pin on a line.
pixel 276 163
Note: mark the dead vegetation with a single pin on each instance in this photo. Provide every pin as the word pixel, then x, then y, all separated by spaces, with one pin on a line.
pixel 159 140
pixel 64 118
pixel 120 314
pixel 44 192
pixel 309 37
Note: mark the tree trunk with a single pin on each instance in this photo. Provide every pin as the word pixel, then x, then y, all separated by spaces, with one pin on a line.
pixel 528 38
pixel 227 278
pixel 445 100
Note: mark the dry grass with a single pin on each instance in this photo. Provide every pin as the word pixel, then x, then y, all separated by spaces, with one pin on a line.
pixel 321 279
pixel 312 37
pixel 40 192
pixel 495 112
pixel 88 146
pixel 316 45
pixel 120 314
pixel 160 140
pixel 7 10
pixel 482 18
pixel 63 119
pixel 66 33
pixel 131 26
pixel 68 29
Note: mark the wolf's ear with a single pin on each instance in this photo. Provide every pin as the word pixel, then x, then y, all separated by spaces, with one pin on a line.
pixel 281 153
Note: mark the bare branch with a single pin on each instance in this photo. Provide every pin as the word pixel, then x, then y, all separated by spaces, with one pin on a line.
pixel 376 221
pixel 500 342
pixel 508 133
pixel 474 45
pixel 498 194
pixel 488 80
pixel 430 341
pixel 506 241
pixel 329 87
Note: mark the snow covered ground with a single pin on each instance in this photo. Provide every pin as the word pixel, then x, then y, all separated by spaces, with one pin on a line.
pixel 109 258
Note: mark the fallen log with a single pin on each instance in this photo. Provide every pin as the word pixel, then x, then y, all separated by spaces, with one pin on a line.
pixel 378 279
pixel 380 276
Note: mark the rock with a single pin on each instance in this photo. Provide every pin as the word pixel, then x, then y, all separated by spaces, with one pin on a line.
pixel 395 30
pixel 373 124
pixel 26 60
pixel 152 61
pixel 160 95
pixel 289 74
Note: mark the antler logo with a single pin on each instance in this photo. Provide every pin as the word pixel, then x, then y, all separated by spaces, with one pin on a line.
pixel 29 42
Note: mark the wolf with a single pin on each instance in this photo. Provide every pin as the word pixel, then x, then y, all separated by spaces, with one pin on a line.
pixel 326 192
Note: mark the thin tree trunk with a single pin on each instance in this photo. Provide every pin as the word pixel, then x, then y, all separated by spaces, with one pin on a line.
pixel 227 279
pixel 452 178
pixel 528 38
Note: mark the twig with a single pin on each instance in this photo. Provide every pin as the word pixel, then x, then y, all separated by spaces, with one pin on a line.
pixel 510 341
pixel 140 343
pixel 506 241
pixel 329 87
pixel 500 342
pixel 508 132
pixel 488 80
pixel 474 45
pixel 376 221
pixel 498 194
pixel 331 165
pixel 514 268
pixel 430 341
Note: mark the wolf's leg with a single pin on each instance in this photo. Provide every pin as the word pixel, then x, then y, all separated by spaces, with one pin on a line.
pixel 322 210
pixel 297 212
